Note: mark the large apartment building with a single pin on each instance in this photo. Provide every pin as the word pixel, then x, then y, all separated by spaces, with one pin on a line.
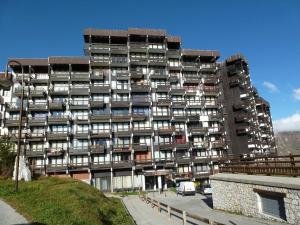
pixel 137 110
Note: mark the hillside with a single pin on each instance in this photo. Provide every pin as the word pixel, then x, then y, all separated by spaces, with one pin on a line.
pixel 288 142
pixel 57 201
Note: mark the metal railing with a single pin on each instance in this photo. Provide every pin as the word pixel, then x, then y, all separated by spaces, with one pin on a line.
pixel 171 211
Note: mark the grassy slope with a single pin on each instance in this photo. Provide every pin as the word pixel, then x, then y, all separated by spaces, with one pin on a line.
pixel 57 201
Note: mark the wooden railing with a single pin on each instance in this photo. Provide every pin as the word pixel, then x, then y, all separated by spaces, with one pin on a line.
pixel 288 165
pixel 186 217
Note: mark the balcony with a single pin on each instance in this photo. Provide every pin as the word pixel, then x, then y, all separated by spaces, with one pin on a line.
pixel 163 102
pixel 179 118
pixel 106 165
pixel 215 118
pixel 173 53
pixel 138 47
pixel 140 164
pixel 241 118
pixel 78 77
pixel 137 74
pixel 60 77
pixel 200 159
pixel 118 49
pixel 242 131
pixel 210 80
pixel 74 104
pixel 104 133
pixel 141 148
pixel 18 91
pixel 62 135
pixel 200 145
pixel 36 136
pixel 160 116
pixel 99 75
pixel 210 90
pixel 166 130
pixel 57 105
pixel 183 160
pixel 39 80
pixel 122 164
pixel 98 149
pixel 122 133
pixel 56 168
pixel 59 91
pixel 120 103
pixel 123 62
pixel 81 134
pixel 216 130
pixel 139 116
pixel 182 145
pixel 158 75
pixel 14 122
pixel 121 148
pixel 101 117
pixel 165 146
pixel 177 91
pixel 197 130
pixel 79 151
pixel 138 61
pixel 58 119
pixel 193 118
pixel 41 93
pixel 156 50
pixel 140 88
pixel 195 104
pixel 99 48
pixel 96 103
pixel 55 151
pixel 208 68
pixel 141 101
pixel 35 153
pixel 157 62
pixel 211 104
pixel 218 144
pixel 97 61
pixel 37 121
pixel 103 89
pixel 165 162
pixel 163 88
pixel 79 91
pixel 142 131
pixel 39 107
pixel 120 117
pixel 123 75
pixel 173 78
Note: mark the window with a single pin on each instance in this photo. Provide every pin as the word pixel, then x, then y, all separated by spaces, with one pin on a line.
pixel 160 124
pixel 120 126
pixel 121 142
pixel 58 145
pixel 271 203
pixel 81 114
pixel 59 129
pixel 160 111
pixel 37 147
pixel 79 160
pixel 140 110
pixel 80 144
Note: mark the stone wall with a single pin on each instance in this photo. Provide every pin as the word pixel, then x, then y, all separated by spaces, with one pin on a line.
pixel 237 193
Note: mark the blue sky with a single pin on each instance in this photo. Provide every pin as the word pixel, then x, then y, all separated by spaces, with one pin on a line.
pixel 266 32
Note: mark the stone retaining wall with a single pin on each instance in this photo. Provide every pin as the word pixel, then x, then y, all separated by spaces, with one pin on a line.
pixel 240 194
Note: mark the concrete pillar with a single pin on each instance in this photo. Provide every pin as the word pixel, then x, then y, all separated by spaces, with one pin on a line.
pixel 111 181
pixel 155 187
pixel 144 182
pixel 132 179
pixel 159 182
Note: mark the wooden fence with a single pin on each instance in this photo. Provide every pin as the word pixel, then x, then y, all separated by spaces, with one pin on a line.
pixel 186 217
pixel 288 165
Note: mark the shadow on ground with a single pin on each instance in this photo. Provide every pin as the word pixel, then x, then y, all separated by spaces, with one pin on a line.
pixel 208 201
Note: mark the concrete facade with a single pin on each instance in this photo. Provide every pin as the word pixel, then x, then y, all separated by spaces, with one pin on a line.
pixel 243 195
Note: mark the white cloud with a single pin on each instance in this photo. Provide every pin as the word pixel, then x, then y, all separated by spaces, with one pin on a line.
pixel 291 123
pixel 296 94
pixel 272 88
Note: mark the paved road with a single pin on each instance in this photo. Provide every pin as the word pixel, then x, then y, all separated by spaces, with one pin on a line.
pixel 9 216
pixel 144 214
pixel 202 206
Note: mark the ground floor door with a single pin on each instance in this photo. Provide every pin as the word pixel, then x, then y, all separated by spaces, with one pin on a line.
pixel 102 183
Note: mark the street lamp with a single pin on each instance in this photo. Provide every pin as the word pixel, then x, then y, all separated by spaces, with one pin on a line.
pixel 20 120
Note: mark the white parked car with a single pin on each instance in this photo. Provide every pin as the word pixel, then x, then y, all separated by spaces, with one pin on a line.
pixel 206 190
pixel 186 188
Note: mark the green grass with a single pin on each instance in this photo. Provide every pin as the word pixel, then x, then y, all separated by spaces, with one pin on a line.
pixel 173 189
pixel 61 201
